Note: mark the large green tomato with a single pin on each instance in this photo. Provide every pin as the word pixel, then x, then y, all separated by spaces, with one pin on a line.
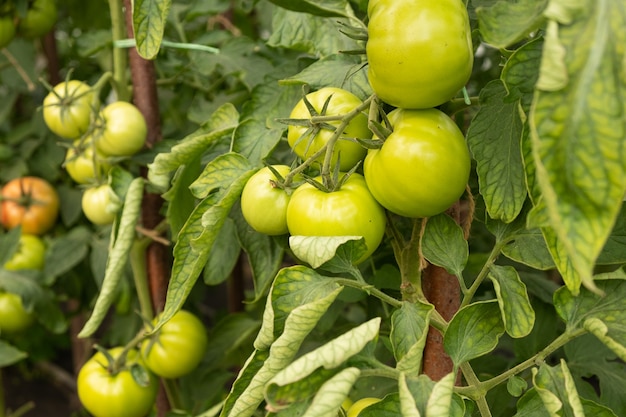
pixel 104 394
pixel 30 254
pixel 358 406
pixel 30 202
pixel 39 20
pixel 123 131
pixel 67 109
pixel 7 30
pixel 83 164
pixel 342 101
pixel 423 166
pixel 100 204
pixel 419 52
pixel 178 346
pixel 13 317
pixel 263 204
pixel 349 211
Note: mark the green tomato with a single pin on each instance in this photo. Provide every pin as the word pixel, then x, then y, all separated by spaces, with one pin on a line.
pixel 31 254
pixel 83 164
pixel 178 346
pixel 105 394
pixel 13 317
pixel 349 211
pixel 263 204
pixel 100 204
pixel 423 166
pixel 419 52
pixel 7 30
pixel 342 101
pixel 39 20
pixel 67 109
pixel 361 404
pixel 124 130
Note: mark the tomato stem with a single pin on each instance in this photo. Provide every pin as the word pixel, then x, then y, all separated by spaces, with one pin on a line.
pixel 140 276
pixel 120 58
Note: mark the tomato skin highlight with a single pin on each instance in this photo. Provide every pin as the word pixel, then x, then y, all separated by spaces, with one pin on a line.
pixel 342 101
pixel 30 254
pixel 124 130
pixel 178 347
pixel 350 211
pixel 13 316
pixel 419 52
pixel 30 202
pixel 67 110
pixel 423 166
pixel 119 395
pixel 264 206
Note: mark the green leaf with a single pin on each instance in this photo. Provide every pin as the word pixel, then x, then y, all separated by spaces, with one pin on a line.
pixel 530 405
pixel 221 123
pixel 149 18
pixel 180 200
pixel 224 255
pixel 10 354
pixel 319 250
pixel 219 174
pixel 444 245
pixel 308 33
pixel 298 325
pixel 556 388
pixel 508 22
pixel 494 137
pixel 473 331
pixel 66 251
pixel 602 315
pixel 529 248
pixel 324 8
pixel 430 398
pixel 337 70
pixel 118 257
pixel 330 396
pixel 409 328
pixel 517 313
pixel 201 230
pixel 578 133
pixel 519 73
pixel 407 402
pixel 440 400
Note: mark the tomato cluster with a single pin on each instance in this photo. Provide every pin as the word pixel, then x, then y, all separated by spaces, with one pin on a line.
pixel 38 20
pixel 100 137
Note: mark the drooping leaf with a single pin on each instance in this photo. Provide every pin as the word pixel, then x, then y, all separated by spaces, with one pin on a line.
pixel 556 388
pixel 149 18
pixel 519 73
pixel 409 328
pixel 331 395
pixel 517 313
pixel 431 398
pixel 440 400
pixel 494 138
pixel 508 22
pixel 324 8
pixel 319 250
pixel 443 244
pixel 224 255
pixel 577 130
pixel 10 354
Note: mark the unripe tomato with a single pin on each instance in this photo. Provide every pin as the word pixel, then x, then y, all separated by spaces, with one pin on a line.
pixel 419 52
pixel 178 346
pixel 124 130
pixel 359 405
pixel 67 109
pixel 100 204
pixel 423 166
pixel 341 102
pixel 39 20
pixel 30 202
pixel 31 254
pixel 82 164
pixel 13 317
pixel 105 394
pixel 349 211
pixel 7 30
pixel 263 204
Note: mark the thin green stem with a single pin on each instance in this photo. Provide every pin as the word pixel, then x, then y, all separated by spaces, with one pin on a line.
pixel 479 393
pixel 22 410
pixel 140 276
pixel 120 57
pixel 172 390
pixel 120 361
pixel 370 289
pixel 467 297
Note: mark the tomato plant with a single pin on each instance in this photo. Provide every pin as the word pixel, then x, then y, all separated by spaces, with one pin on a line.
pixel 30 202
pixel 126 392
pixel 423 166
pixel 123 130
pixel 177 347
pixel 307 140
pixel 419 53
pixel 30 254
pixel 13 317
pixel 7 30
pixel 67 109
pixel 100 204
pixel 83 164
pixel 39 19
pixel 261 191
pixel 348 211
